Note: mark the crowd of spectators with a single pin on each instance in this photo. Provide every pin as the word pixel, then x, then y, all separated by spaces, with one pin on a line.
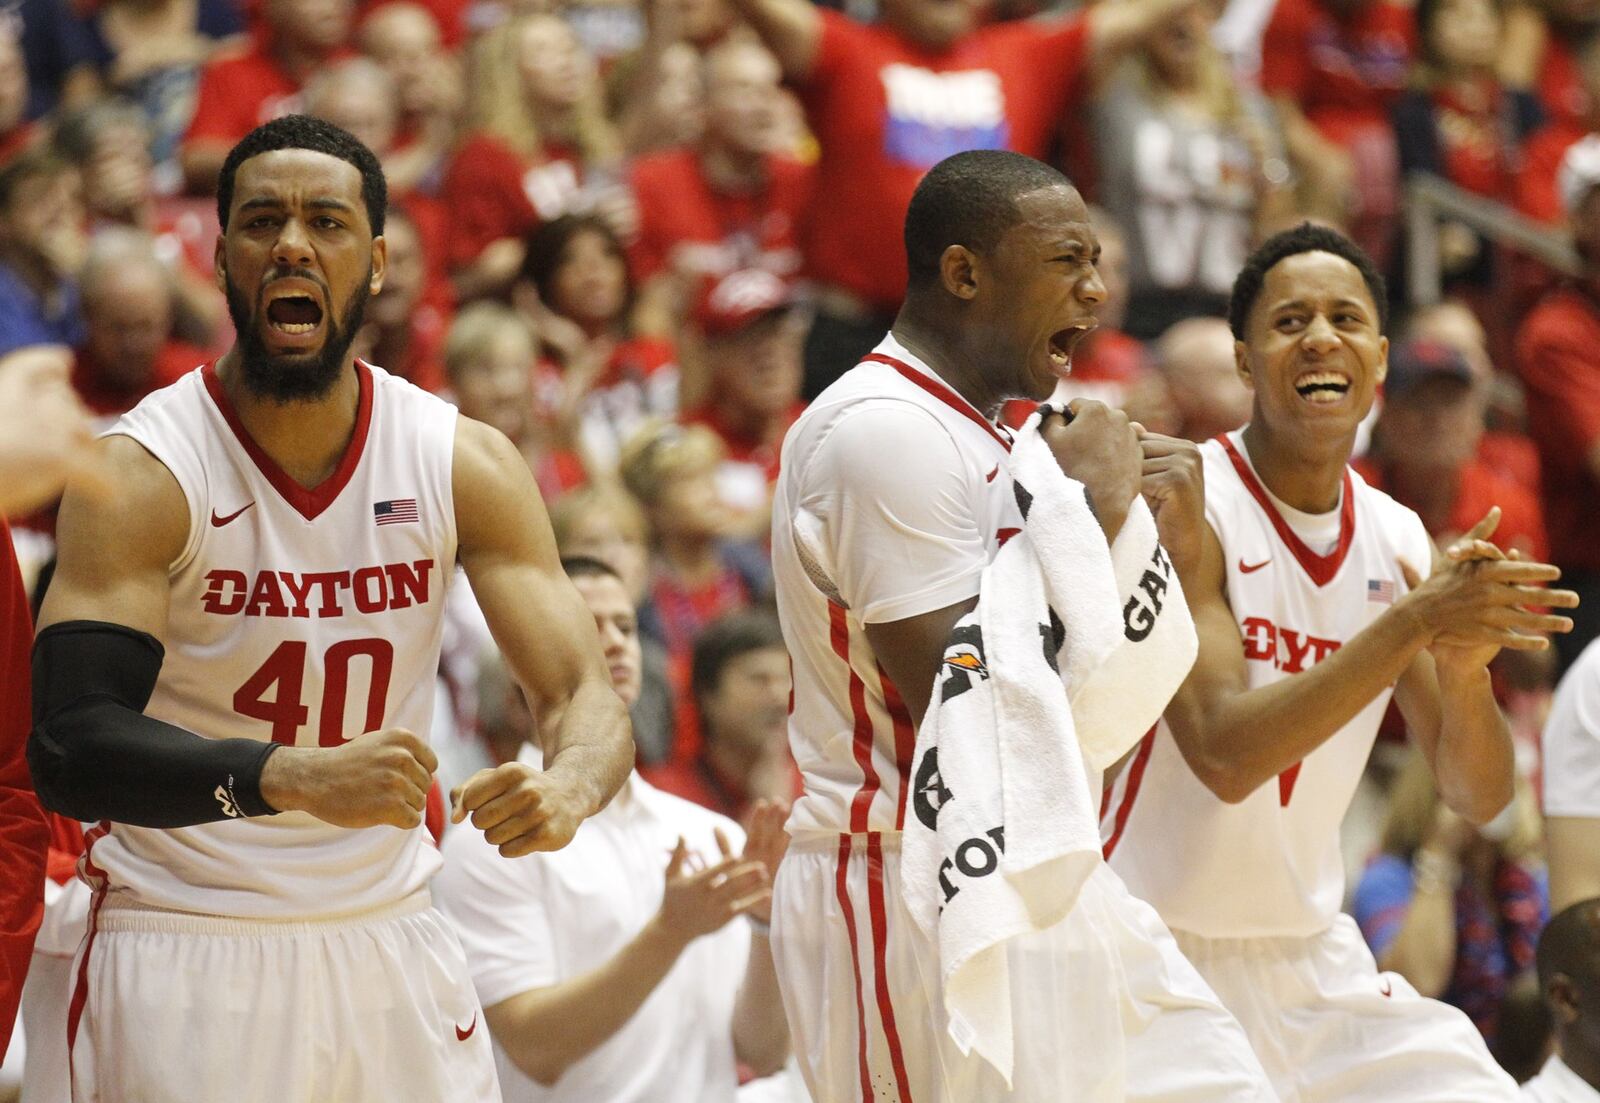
pixel 637 235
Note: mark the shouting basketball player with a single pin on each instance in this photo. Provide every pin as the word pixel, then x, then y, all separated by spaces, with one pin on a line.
pixel 1311 607
pixel 236 673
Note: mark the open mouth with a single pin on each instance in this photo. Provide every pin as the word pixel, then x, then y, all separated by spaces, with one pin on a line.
pixel 1063 341
pixel 293 311
pixel 1322 387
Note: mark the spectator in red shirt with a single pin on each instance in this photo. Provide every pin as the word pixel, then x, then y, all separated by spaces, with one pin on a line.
pixel 741 693
pixel 607 379
pixel 405 328
pixel 753 338
pixel 128 314
pixel 1558 355
pixel 240 90
pixel 697 574
pixel 15 129
pixel 889 101
pixel 733 202
pixel 108 141
pixel 1536 192
pixel 1334 69
pixel 538 146
pixel 1461 122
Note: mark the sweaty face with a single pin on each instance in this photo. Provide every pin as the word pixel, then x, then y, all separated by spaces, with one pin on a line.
pixel 297 261
pixel 1044 290
pixel 614 619
pixel 750 705
pixel 1312 350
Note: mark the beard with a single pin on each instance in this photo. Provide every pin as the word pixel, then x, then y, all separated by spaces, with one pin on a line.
pixel 294 378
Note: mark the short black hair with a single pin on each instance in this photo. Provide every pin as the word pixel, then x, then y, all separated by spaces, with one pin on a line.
pixel 1304 238
pixel 319 136
pixel 1570 943
pixel 969 199
pixel 587 566
pixel 727 639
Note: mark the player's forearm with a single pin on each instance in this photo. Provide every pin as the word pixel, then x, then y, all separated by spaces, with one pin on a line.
pixel 760 1028
pixel 546 1031
pixel 592 750
pixel 1239 741
pixel 1473 763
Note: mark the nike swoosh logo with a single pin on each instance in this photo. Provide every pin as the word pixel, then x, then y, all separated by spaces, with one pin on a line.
pixel 463 1035
pixel 218 522
pixel 1388 988
pixel 1254 567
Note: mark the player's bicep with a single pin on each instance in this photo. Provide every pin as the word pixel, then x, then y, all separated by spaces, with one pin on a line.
pixel 1219 668
pixel 911 651
pixel 114 550
pixel 506 545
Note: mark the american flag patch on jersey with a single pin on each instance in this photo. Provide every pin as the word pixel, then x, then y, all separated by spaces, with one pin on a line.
pixel 1381 592
pixel 396 511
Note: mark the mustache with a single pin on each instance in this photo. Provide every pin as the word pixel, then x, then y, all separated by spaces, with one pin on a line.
pixel 274 274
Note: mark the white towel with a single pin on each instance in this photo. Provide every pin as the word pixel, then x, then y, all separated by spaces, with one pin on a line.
pixel 1069 658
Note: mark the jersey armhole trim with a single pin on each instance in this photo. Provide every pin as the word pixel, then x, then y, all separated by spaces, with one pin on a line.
pixel 191 540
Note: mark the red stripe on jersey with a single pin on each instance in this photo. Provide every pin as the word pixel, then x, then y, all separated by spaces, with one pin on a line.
pixel 80 990
pixel 1321 568
pixel 943 393
pixel 309 503
pixel 905 741
pixel 1135 775
pixel 880 966
pixel 861 740
pixel 842 887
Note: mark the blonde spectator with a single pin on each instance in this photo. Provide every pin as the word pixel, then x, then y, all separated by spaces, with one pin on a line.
pixel 538 145
pixel 697 574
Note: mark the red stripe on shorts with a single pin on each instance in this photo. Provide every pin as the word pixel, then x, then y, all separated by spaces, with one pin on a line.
pixel 842 886
pixel 80 990
pixel 861 742
pixel 880 966
pixel 1135 776
pixel 905 741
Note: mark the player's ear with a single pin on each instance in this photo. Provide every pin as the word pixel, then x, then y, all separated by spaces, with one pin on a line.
pixel 220 266
pixel 380 264
pixel 958 272
pixel 1241 363
pixel 1383 359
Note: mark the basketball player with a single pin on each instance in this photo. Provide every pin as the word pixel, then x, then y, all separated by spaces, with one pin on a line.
pixel 894 494
pixel 1311 607
pixel 235 676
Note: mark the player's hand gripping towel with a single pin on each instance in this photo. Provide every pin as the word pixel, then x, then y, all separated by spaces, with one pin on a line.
pixel 1069 658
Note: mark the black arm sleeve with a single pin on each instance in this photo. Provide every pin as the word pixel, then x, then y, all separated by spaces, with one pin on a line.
pixel 94 754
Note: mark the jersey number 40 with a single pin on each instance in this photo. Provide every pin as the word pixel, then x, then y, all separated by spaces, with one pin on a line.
pixel 283 675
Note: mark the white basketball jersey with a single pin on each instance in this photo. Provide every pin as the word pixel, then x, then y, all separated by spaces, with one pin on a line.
pixel 851 735
pixel 1269 865
pixel 306 617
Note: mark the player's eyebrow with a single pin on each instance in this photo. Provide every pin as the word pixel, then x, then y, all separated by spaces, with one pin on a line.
pixel 328 203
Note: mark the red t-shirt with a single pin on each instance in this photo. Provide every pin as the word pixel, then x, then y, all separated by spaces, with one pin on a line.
pixel 1482 488
pixel 1474 149
pixel 494 192
pixel 1560 83
pixel 24 833
pixel 1344 74
pixel 684 222
pixel 1537 195
pixel 173 361
pixel 237 93
pixel 1558 355
pixel 885 110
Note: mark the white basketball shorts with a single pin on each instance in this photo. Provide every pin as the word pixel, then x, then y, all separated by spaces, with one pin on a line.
pixel 1330 1028
pixel 370 1008
pixel 1122 1017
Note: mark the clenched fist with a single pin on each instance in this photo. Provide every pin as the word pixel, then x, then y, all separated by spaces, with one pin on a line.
pixel 519 808
pixel 378 778
pixel 1099 447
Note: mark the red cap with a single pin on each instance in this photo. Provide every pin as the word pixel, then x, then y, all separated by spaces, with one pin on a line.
pixel 741 298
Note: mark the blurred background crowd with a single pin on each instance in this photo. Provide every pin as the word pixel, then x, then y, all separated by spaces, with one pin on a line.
pixel 637 235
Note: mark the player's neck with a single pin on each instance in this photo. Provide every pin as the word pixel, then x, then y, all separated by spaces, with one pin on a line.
pixel 1305 474
pixel 307 439
pixel 1585 1064
pixel 946 356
